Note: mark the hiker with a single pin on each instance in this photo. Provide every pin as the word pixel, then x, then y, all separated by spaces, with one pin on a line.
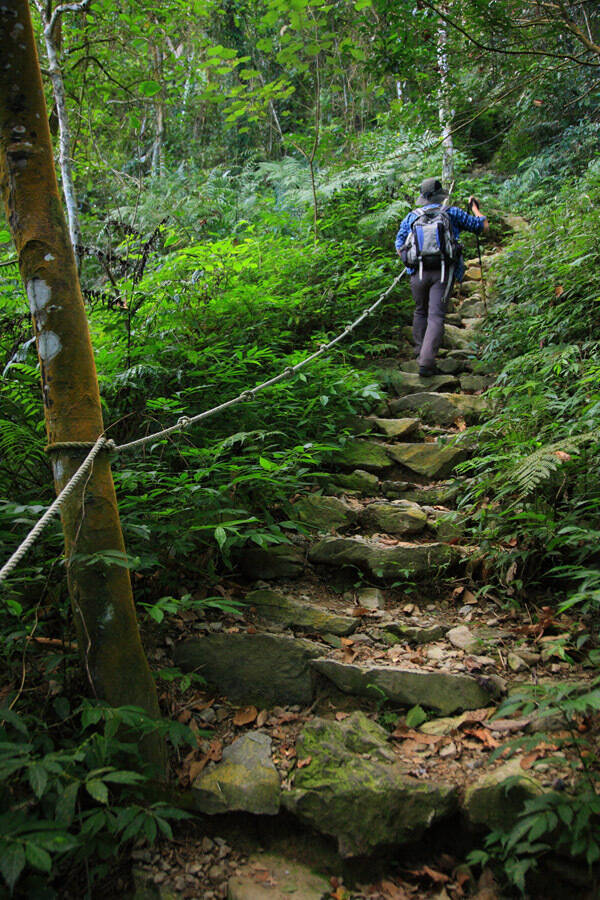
pixel 427 244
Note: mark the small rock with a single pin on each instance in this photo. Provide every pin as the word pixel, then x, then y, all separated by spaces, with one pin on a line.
pixel 208 715
pixel 371 598
pixel 461 637
pixel 516 664
pixel 216 873
pixel 436 652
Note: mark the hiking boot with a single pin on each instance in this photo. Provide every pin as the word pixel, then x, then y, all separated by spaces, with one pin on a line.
pixel 428 371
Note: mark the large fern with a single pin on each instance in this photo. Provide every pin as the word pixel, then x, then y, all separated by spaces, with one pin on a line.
pixel 537 468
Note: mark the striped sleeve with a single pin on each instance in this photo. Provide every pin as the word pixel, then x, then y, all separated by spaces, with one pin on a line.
pixel 466 222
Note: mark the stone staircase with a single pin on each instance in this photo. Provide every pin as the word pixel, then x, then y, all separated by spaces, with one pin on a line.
pixel 370 620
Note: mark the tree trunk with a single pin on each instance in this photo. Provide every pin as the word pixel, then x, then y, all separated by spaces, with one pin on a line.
pixel 445 112
pixel 101 595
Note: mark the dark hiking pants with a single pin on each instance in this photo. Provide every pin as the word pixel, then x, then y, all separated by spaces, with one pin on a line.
pixel 430 311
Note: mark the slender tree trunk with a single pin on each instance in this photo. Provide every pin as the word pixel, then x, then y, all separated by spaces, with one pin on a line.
pixel 101 595
pixel 445 112
pixel 158 159
pixel 64 131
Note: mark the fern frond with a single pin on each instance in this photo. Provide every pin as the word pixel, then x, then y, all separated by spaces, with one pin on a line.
pixel 537 468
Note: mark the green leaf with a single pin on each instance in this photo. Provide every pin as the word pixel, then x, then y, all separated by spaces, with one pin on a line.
pixel 220 535
pixel 38 857
pixel 65 805
pixel 4 236
pixel 38 779
pixel 12 862
pixel 98 790
pixel 415 717
pixel 149 88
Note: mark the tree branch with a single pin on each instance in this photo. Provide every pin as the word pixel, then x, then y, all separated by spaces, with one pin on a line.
pixel 66 7
pixel 522 52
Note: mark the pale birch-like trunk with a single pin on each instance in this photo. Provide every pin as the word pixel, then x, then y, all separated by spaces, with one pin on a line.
pixel 64 133
pixel 445 111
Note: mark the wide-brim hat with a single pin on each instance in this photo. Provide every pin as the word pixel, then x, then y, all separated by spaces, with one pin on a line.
pixel 431 192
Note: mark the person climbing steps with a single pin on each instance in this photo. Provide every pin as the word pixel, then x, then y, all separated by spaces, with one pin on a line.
pixel 427 243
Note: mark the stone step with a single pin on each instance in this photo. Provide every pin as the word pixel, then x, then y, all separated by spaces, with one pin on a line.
pixel 446 366
pixel 476 382
pixel 472 307
pixel 292 612
pixel 385 561
pixel 394 517
pixel 395 428
pixel 411 383
pixel 430 459
pixel 434 460
pixel 443 409
pixel 443 692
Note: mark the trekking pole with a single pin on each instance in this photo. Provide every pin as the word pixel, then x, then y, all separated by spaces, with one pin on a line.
pixel 483 285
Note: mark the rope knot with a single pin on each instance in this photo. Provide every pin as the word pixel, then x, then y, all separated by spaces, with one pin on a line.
pixel 110 445
pixel 348 329
pixel 290 370
pixel 323 346
pixel 183 422
pixel 247 396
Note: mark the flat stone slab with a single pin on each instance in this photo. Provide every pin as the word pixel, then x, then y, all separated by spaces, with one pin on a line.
pixel 475 382
pixel 289 611
pixel 359 454
pixel 267 876
pixel 432 460
pixel 439 495
pixel 442 691
pixel 395 517
pixel 361 481
pixel 246 780
pixel 265 669
pixel 442 409
pixel 382 560
pixel 456 338
pixel 275 561
pixel 395 428
pixel 472 307
pixel 412 383
pixel 495 800
pixel 417 634
pixel 324 513
pixel 354 791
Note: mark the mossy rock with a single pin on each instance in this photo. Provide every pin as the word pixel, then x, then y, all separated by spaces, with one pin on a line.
pixel 397 517
pixel 443 692
pixel 324 513
pixel 272 606
pixel 361 481
pixel 381 560
pixel 359 454
pixel 395 428
pixel 442 409
pixel 245 781
pixel 352 790
pixel 435 461
pixel 495 800
pixel 265 669
pixel 412 383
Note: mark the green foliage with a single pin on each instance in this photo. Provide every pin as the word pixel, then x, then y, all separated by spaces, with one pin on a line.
pixel 74 793
pixel 563 820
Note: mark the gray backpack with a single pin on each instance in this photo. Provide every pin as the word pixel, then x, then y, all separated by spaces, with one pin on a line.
pixel 431 243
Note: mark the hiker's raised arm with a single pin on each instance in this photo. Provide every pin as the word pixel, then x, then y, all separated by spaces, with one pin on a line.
pixel 474 207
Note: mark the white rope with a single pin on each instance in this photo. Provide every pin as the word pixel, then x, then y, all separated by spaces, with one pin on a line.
pixel 54 507
pixel 182 423
pixel 185 421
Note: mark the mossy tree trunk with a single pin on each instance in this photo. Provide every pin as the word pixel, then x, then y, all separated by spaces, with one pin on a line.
pixel 101 595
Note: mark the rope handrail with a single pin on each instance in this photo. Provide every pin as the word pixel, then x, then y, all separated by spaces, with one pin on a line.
pixel 184 422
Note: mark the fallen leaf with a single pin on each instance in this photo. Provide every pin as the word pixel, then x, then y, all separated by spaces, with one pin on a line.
pixel 304 762
pixel 359 611
pixel 245 715
pixel 460 424
pixel 393 891
pixel 483 735
pixel 185 716
pixel 564 457
pixel 559 290
pixel 262 718
pixel 341 715
pixel 215 751
pixel 196 768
